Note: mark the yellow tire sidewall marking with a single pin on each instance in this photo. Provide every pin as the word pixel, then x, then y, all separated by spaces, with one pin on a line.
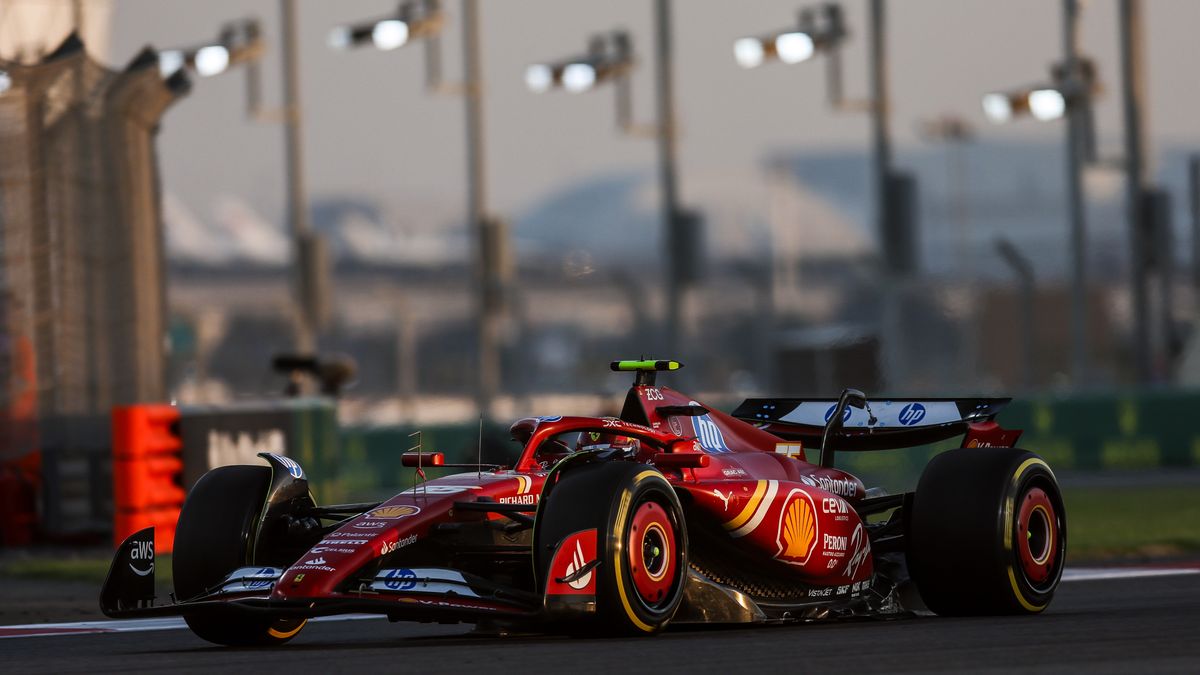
pixel 618 531
pixel 283 635
pixel 1008 529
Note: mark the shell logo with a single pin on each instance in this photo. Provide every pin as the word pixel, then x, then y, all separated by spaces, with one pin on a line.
pixel 393 512
pixel 797 528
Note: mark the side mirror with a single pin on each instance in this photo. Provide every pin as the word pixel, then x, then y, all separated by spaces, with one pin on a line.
pixel 854 398
pixel 850 398
pixel 415 459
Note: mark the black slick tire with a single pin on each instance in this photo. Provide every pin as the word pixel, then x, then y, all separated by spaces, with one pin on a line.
pixel 213 537
pixel 987 533
pixel 641 544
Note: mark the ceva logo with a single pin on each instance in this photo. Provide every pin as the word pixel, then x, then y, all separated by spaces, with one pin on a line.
pixel 912 414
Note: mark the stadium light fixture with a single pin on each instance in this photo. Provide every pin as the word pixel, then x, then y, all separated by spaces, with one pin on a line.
pixel 1047 104
pixel 578 77
pixel 170 61
pixel 238 42
pixel 1043 103
pixel 749 52
pixel 998 107
pixel 608 58
pixel 411 20
pixel 211 60
pixel 793 45
pixel 389 34
pixel 539 78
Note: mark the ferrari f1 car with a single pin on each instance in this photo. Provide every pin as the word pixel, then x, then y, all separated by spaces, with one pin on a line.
pixel 672 512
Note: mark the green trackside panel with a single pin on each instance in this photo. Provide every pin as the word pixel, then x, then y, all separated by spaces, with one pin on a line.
pixel 317 447
pixel 1168 419
pixel 372 455
pixel 1092 432
pixel 1110 431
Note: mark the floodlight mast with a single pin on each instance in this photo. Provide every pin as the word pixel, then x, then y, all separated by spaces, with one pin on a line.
pixel 894 191
pixel 612 59
pixel 241 43
pixel 424 19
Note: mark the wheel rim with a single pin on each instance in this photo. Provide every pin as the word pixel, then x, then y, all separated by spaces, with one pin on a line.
pixel 1038 536
pixel 652 552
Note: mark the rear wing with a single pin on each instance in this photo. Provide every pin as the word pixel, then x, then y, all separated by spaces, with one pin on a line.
pixel 899 423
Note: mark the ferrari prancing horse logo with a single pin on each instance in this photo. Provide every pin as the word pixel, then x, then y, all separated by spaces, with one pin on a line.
pixel 797 528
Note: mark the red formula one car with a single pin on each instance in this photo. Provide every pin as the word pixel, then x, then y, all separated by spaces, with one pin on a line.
pixel 672 512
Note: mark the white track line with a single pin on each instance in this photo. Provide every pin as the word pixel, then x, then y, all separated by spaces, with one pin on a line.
pixel 177 623
pixel 1105 573
pixel 130 626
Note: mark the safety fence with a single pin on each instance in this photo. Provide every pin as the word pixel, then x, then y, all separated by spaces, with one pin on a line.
pixel 82 292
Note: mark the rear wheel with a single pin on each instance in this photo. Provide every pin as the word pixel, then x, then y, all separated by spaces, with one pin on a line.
pixel 213 537
pixel 987 533
pixel 641 543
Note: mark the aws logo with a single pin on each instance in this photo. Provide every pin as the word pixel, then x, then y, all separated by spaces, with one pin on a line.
pixel 143 552
pixel 797 536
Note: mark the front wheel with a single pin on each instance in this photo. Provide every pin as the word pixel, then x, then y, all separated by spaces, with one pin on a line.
pixel 213 538
pixel 987 533
pixel 640 561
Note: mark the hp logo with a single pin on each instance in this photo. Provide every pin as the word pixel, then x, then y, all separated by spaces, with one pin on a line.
pixel 912 414
pixel 261 583
pixel 401 580
pixel 845 414
pixel 708 434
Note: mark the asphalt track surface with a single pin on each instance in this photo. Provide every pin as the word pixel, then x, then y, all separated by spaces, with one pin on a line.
pixel 1101 625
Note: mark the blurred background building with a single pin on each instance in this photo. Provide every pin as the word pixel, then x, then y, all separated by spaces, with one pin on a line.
pixel 136 273
pixel 792 294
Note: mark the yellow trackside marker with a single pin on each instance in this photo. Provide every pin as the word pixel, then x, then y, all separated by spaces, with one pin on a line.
pixel 741 518
pixel 282 635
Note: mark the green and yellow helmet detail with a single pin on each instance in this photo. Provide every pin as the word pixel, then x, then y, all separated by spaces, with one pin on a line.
pixel 645 365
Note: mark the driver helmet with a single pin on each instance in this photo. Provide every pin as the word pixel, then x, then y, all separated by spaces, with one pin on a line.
pixel 589 439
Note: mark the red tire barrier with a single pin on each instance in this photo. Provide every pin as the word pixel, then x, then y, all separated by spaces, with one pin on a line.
pixel 147 472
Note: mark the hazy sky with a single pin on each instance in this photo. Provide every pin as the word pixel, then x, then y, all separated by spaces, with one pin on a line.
pixel 372 130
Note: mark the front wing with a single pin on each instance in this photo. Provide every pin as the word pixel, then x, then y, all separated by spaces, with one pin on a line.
pixel 420 594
